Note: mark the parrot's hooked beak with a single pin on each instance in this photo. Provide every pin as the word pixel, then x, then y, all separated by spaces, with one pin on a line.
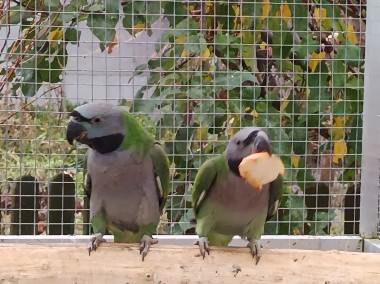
pixel 75 131
pixel 261 144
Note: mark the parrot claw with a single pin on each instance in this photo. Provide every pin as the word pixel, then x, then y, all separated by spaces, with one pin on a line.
pixel 95 242
pixel 145 245
pixel 203 246
pixel 255 247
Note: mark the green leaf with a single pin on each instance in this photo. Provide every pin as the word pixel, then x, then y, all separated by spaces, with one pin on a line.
pixel 307 46
pixel 250 95
pixel 174 11
pixel 13 16
pixel 304 175
pixel 354 82
pixel 282 38
pixel 350 53
pixel 49 4
pixel 170 93
pixel 183 143
pixel 321 221
pixel 138 71
pixel 299 136
pixel 195 93
pixel 143 13
pixel 251 9
pixel 224 16
pixel 300 18
pixel 103 25
pixel 231 80
pixel 153 11
pixel 340 108
pixel 97 7
pixel 72 35
pixel 223 39
pixel 297 212
pixel 338 73
pixel 318 98
pixel 143 105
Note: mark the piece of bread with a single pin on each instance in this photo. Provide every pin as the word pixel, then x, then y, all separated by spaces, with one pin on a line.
pixel 260 168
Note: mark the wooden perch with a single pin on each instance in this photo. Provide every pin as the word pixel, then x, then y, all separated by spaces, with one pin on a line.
pixel 121 263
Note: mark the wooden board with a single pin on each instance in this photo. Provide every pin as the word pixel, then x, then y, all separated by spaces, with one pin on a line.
pixel 121 263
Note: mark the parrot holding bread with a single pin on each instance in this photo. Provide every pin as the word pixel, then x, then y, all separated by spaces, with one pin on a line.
pixel 225 204
pixel 128 174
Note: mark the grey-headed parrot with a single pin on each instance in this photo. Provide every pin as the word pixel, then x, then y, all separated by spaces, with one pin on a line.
pixel 226 205
pixel 128 174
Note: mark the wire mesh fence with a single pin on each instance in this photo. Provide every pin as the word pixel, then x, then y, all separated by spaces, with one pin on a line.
pixel 193 73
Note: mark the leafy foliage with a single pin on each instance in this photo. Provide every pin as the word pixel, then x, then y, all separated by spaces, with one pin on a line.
pixel 293 68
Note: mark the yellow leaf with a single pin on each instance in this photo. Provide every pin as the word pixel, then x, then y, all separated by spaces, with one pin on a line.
pixel 263 45
pixel 236 9
pixel 184 53
pixel 340 150
pixel 351 35
pixel 55 35
pixel 181 39
pixel 139 27
pixel 314 60
pixel 266 9
pixel 320 14
pixel 284 104
pixel 206 54
pixel 255 114
pixel 208 78
pixel 295 160
pixel 202 133
pixel 209 7
pixel 284 11
pixel 337 131
pixel 296 232
pixel 233 125
pixel 244 21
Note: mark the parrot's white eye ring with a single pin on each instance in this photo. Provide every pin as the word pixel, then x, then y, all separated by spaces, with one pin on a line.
pixel 238 142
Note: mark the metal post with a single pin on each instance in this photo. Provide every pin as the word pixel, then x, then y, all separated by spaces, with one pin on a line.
pixel 369 204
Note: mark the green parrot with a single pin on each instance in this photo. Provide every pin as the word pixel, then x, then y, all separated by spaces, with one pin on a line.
pixel 226 205
pixel 128 174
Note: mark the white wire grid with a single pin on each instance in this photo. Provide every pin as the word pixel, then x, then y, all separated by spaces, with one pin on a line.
pixel 201 86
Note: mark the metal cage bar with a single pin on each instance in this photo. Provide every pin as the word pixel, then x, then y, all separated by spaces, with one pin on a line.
pixel 370 194
pixel 228 54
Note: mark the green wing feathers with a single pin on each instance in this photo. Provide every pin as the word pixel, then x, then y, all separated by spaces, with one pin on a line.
pixel 161 172
pixel 275 194
pixel 203 181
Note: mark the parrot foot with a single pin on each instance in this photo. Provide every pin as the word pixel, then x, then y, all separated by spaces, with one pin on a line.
pixel 145 244
pixel 255 247
pixel 203 246
pixel 96 240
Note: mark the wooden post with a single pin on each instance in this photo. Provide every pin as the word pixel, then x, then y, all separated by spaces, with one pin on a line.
pixel 24 206
pixel 61 204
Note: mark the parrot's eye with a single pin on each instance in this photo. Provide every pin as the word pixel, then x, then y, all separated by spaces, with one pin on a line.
pixel 96 120
pixel 238 142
